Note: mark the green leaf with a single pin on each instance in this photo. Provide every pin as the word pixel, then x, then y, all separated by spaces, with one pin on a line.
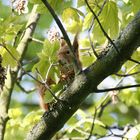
pixel 48 57
pixel 135 6
pixel 84 43
pixel 130 97
pixel 100 123
pixel 78 12
pixel 80 3
pixel 57 5
pixel 126 1
pixel 99 130
pixel 87 21
pixel 35 1
pixel 10 26
pixel 108 119
pixel 73 21
pixel 14 113
pixel 73 15
pixel 50 50
pixel 42 9
pixel 42 67
pixel 9 58
pixel 109 21
pixel 74 27
pixel 72 121
pixel 31 118
pixel 87 59
pixel 109 18
pixel 75 133
pixel 55 89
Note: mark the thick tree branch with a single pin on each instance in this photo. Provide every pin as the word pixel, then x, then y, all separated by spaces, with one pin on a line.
pixel 87 82
pixel 5 96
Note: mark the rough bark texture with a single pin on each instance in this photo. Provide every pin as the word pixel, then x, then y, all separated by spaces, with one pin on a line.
pixel 5 96
pixel 87 82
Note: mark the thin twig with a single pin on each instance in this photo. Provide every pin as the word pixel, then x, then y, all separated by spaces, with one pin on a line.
pixel 91 42
pixel 103 106
pixel 126 75
pixel 120 81
pixel 46 85
pixel 16 37
pixel 91 27
pixel 4 46
pixel 116 88
pixel 36 40
pixel 32 61
pixel 93 124
pixel 47 74
pixel 24 90
pixel 101 27
pixel 135 61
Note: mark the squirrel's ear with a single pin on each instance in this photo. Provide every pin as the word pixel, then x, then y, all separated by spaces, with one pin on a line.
pixel 62 42
pixel 75 42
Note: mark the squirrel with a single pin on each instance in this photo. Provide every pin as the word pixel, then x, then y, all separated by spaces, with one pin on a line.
pixel 65 60
pixel 66 68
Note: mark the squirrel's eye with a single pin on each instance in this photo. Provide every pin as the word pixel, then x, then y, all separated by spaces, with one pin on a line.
pixel 67 52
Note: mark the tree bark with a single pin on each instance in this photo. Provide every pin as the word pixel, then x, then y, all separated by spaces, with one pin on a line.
pixel 5 96
pixel 86 82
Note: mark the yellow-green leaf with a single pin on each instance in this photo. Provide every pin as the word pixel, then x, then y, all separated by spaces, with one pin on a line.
pixel 10 56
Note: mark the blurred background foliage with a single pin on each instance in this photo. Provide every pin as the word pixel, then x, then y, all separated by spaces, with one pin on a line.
pixel 24 110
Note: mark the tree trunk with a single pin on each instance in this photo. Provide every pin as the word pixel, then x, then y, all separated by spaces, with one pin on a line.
pixel 5 96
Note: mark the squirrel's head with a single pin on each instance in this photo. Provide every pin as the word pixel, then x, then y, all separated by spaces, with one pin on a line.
pixel 64 55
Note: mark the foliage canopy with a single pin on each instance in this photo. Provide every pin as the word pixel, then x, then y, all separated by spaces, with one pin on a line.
pixel 98 109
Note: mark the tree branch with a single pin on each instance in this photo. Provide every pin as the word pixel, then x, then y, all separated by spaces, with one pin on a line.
pixel 24 90
pixel 93 124
pixel 126 75
pixel 116 88
pixel 87 82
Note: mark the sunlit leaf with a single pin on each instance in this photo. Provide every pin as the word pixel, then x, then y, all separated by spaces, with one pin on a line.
pixel 126 1
pixel 87 21
pixel 74 27
pixel 135 5
pixel 86 59
pixel 14 113
pixel 31 118
pixel 110 12
pixel 9 57
pixel 80 3
pixel 73 21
